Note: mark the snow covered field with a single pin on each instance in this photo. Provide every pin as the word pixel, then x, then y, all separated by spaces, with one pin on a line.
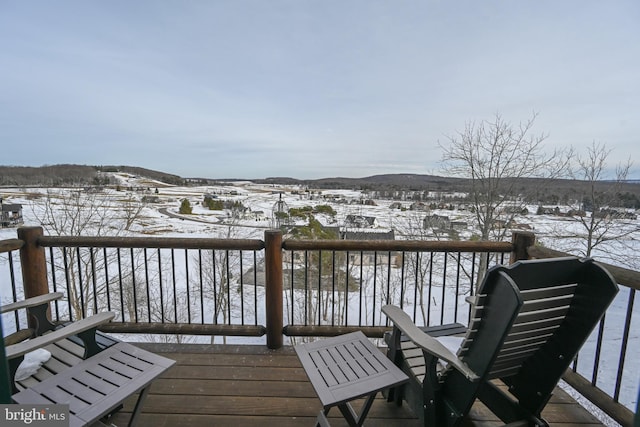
pixel 159 216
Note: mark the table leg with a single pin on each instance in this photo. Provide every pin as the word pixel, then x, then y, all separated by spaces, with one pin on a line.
pixel 322 420
pixel 353 419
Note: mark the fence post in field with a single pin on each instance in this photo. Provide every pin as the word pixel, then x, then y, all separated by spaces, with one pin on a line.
pixel 33 264
pixel 521 241
pixel 273 287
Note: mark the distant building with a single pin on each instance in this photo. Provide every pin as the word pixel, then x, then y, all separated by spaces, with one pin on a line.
pixel 359 221
pixel 439 222
pixel 10 214
pixel 150 199
pixel 459 225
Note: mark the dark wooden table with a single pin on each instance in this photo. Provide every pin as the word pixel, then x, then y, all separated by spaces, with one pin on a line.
pixel 345 368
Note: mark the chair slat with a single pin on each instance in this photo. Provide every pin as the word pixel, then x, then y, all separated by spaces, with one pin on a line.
pixel 537 324
pixel 548 292
pixel 546 303
pixel 549 313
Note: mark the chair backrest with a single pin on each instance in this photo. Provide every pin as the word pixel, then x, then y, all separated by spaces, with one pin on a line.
pixel 563 300
pixel 500 302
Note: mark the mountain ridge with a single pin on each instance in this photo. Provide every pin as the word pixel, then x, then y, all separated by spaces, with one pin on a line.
pixel 73 174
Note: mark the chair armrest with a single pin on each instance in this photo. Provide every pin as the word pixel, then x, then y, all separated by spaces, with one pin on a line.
pixel 31 302
pixel 402 321
pixel 75 328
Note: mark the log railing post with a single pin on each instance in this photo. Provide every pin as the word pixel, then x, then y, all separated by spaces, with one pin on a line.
pixel 33 264
pixel 521 241
pixel 273 288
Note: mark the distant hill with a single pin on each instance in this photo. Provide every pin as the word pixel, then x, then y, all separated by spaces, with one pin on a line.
pixel 536 189
pixel 61 175
pixel 379 182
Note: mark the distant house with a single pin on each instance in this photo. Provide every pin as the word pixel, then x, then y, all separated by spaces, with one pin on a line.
pixel 459 225
pixel 418 206
pixel 150 199
pixel 359 221
pixel 10 215
pixel 439 222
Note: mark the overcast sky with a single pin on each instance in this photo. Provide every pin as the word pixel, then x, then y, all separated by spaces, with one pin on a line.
pixel 308 89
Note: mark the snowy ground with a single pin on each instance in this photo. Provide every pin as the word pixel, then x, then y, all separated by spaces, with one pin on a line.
pixel 162 218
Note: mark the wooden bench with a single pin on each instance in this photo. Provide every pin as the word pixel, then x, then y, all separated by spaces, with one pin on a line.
pixel 100 378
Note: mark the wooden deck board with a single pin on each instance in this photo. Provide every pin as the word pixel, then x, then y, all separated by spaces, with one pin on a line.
pixel 240 386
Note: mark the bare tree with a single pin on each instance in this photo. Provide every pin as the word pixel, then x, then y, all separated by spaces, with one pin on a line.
pixel 132 208
pixel 495 156
pixel 599 210
pixel 75 212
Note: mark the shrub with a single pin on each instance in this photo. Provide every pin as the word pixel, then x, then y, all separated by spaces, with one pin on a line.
pixel 185 207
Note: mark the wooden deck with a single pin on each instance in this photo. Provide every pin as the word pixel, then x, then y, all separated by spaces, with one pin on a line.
pixel 242 385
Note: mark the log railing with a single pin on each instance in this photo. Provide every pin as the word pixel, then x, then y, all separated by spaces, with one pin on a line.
pixel 281 289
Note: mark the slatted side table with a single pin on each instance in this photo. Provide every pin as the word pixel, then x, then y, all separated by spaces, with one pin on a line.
pixel 96 386
pixel 345 368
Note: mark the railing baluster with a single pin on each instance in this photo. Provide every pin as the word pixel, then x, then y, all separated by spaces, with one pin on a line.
pixel 93 280
pixel 68 281
pixel 375 282
pixel 388 300
pixel 596 363
pixel 134 286
pixel 319 298
pixel 146 283
pixel 472 287
pixel 428 322
pixel 402 281
pixel 121 285
pixel 444 287
pixel 201 286
pixel 306 289
pixel 346 289
pixel 291 283
pixel 54 282
pixel 455 306
pixel 80 281
pixel 361 287
pixel 13 287
pixel 160 286
pixel 241 292
pixel 228 284
pixel 255 288
pixel 186 270
pixel 215 285
pixel 106 278
pixel 625 341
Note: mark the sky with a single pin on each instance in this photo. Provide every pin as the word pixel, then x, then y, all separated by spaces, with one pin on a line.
pixel 309 88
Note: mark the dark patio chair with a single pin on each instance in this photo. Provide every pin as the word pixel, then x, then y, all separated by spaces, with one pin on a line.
pixel 528 322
